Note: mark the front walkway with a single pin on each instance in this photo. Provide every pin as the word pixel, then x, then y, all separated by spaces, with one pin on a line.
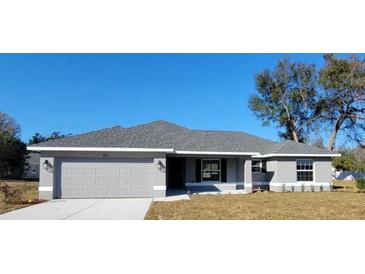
pixel 83 209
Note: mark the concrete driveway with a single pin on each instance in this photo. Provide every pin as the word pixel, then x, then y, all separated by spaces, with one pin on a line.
pixel 83 209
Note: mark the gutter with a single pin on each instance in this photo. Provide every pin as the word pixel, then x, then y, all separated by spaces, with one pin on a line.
pixel 125 149
pixel 296 155
pixel 100 149
pixel 173 151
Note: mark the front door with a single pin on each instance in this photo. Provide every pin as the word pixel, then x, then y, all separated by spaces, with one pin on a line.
pixel 175 172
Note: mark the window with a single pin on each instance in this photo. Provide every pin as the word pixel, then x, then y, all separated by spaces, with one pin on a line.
pixel 304 170
pixel 211 170
pixel 258 166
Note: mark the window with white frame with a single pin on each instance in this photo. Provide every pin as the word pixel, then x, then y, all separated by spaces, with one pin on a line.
pixel 258 166
pixel 304 170
pixel 211 170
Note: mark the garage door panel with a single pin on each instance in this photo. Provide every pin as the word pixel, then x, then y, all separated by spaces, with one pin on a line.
pixel 105 178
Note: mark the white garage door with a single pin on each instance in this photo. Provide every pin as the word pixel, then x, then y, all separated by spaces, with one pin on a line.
pixel 104 178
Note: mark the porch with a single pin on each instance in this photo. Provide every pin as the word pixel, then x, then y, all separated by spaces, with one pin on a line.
pixel 209 173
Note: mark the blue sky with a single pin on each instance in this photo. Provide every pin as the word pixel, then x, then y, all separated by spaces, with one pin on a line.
pixel 75 93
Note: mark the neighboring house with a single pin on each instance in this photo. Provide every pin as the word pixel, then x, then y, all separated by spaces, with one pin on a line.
pixel 347 175
pixel 32 169
pixel 146 160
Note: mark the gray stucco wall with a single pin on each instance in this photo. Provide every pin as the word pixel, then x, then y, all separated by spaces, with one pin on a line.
pixel 247 171
pixel 190 170
pixel 231 170
pixel 159 176
pixel 286 170
pixel 282 174
pixel 323 170
pixel 240 169
pixel 46 178
pixel 49 179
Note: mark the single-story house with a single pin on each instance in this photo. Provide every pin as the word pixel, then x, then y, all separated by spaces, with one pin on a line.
pixel 146 160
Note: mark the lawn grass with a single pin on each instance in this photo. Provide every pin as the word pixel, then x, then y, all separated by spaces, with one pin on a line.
pixel 337 205
pixel 31 193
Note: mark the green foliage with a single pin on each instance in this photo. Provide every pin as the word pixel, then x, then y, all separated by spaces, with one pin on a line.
pixel 299 99
pixel 360 184
pixel 13 151
pixel 286 97
pixel 345 162
pixel 38 138
pixel 343 101
pixel 350 160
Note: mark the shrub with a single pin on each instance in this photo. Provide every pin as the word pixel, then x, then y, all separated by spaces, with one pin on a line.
pixel 360 184
pixel 12 195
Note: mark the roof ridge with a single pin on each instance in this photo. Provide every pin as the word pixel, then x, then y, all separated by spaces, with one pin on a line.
pixel 157 122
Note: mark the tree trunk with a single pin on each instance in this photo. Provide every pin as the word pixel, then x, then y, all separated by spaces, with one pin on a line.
pixel 295 136
pixel 293 131
pixel 336 128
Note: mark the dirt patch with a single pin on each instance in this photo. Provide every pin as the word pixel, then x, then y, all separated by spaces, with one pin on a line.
pixel 29 195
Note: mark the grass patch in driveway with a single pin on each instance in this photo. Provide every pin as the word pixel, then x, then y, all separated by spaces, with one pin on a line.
pixel 30 195
pixel 264 206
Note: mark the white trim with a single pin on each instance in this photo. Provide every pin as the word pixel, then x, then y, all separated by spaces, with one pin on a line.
pixel 213 184
pixel 106 149
pixel 296 155
pixel 305 170
pixel 171 150
pixel 45 188
pixel 300 183
pixel 215 152
pixel 159 187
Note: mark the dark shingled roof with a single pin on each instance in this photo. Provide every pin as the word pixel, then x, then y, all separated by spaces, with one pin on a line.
pixel 162 134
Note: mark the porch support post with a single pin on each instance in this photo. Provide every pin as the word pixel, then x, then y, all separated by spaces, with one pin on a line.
pixel 248 175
